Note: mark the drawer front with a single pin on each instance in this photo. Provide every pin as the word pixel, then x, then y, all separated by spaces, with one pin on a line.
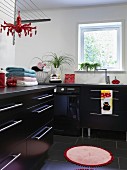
pixel 38 98
pixel 92 115
pixel 10 107
pixel 93 103
pixel 12 145
pixel 39 115
pixel 40 141
pixel 37 146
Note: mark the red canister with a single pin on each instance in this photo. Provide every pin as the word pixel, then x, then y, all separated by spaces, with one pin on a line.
pixel 2 78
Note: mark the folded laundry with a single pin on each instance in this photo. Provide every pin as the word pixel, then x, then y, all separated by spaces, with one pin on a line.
pixel 25 83
pixel 20 69
pixel 29 79
pixel 20 73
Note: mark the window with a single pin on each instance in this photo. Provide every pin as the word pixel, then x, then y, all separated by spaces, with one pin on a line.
pixel 101 43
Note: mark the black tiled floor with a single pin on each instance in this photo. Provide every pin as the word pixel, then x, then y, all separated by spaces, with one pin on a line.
pixel 56 160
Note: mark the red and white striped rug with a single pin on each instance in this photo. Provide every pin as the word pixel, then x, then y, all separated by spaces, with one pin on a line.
pixel 88 156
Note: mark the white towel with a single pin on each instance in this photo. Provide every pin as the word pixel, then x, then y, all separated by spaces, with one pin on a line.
pixel 25 83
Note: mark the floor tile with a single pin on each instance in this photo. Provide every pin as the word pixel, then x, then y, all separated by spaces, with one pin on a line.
pixel 61 146
pixel 122 144
pixel 57 155
pixel 88 141
pixel 56 160
pixel 123 163
pixel 108 144
pixel 65 139
pixel 59 165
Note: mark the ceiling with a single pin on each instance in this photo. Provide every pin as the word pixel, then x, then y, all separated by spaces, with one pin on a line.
pixel 55 4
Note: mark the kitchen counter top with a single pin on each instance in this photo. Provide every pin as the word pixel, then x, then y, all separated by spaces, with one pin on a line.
pixel 14 91
pixel 84 84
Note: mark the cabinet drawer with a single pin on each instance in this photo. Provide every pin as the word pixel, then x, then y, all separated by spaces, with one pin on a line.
pixel 94 102
pixel 42 139
pixel 12 145
pixel 9 107
pixel 37 146
pixel 40 97
pixel 39 115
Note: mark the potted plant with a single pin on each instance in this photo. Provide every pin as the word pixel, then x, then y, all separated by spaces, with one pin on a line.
pixel 89 66
pixel 59 60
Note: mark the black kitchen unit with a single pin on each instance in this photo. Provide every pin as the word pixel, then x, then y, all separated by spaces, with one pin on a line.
pixel 91 110
pixel 67 110
pixel 26 126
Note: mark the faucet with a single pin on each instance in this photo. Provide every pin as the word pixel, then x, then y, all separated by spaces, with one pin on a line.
pixel 107 78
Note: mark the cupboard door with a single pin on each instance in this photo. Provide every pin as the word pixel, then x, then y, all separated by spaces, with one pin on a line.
pixel 37 146
pixel 91 112
pixel 12 146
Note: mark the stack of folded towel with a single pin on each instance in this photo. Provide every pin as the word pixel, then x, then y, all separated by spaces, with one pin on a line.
pixel 23 76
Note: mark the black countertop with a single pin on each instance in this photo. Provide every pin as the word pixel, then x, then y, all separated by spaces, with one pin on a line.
pixel 17 91
pixel 84 84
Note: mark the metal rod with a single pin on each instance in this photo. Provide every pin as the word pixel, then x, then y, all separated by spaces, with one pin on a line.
pixel 82 132
pixel 6 9
pixel 25 7
pixel 14 22
pixel 89 134
pixel 6 14
pixel 30 7
pixel 35 20
pixel 7 6
pixel 38 8
pixel 21 9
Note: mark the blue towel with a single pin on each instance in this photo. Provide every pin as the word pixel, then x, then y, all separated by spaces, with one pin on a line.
pixel 19 69
pixel 21 74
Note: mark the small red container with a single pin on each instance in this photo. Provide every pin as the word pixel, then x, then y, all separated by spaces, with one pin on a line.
pixel 2 80
pixel 69 78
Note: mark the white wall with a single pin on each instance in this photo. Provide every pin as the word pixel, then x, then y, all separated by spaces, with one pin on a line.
pixel 61 35
pixel 7 49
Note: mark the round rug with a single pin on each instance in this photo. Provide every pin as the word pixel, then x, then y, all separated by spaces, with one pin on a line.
pixel 88 156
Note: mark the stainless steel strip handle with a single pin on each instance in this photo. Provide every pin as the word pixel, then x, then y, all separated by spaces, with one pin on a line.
pixel 15 157
pixel 10 107
pixel 49 128
pixel 94 98
pixel 44 109
pixel 13 124
pixel 103 114
pixel 95 90
pixel 40 98
pixel 115 99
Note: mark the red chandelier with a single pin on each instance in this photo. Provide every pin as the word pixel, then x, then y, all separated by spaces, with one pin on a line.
pixel 18 27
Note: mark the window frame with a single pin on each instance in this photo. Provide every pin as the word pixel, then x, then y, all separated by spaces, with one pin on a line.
pixel 107 25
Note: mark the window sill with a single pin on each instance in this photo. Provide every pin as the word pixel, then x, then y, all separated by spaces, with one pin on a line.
pixel 92 71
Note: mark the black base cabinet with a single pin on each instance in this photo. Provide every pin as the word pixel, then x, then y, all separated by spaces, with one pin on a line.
pixel 91 116
pixel 26 130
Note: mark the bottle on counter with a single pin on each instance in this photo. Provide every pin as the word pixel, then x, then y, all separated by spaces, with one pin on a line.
pixel 2 78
